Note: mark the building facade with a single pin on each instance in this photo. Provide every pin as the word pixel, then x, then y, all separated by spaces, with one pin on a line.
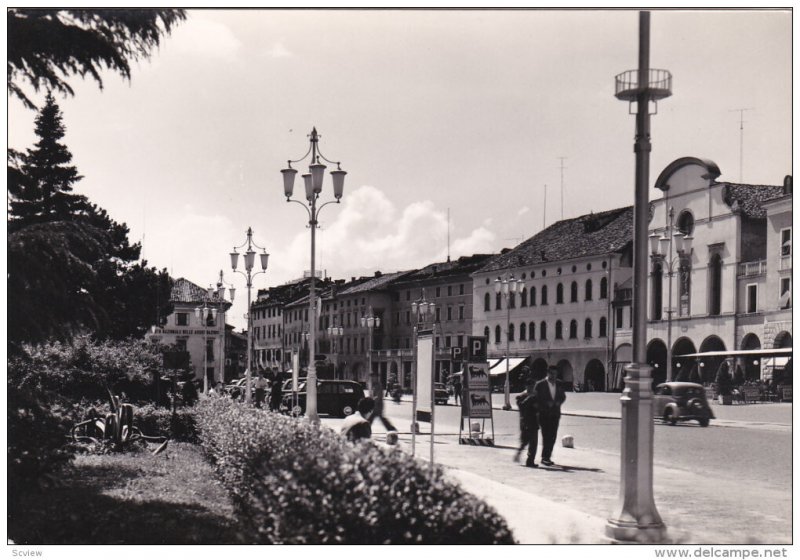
pixel 203 338
pixel 562 315
pixel 724 292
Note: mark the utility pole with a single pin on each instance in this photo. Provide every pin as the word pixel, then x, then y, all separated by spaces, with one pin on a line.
pixel 741 137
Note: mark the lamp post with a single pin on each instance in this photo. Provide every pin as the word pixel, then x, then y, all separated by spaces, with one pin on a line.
pixel 213 302
pixel 636 518
pixel 370 322
pixel 508 287
pixel 249 262
pixel 334 333
pixel 313 187
pixel 423 310
pixel 661 250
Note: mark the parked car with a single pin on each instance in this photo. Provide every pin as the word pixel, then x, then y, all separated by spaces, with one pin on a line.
pixel 440 393
pixel 334 397
pixel 236 388
pixel 679 401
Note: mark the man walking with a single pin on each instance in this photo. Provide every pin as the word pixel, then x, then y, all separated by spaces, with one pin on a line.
pixel 528 424
pixel 457 390
pixel 377 411
pixel 356 426
pixel 549 397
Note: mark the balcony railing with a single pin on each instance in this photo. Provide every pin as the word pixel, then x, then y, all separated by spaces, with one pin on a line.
pixel 624 294
pixel 785 263
pixel 755 268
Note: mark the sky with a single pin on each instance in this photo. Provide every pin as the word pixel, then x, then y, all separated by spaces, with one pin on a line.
pixel 431 113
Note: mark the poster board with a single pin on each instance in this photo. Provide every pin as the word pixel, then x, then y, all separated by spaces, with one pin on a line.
pixel 424 377
pixel 477 399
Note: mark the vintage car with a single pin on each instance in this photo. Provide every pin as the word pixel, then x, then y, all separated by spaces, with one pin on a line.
pixel 678 401
pixel 335 398
pixel 440 393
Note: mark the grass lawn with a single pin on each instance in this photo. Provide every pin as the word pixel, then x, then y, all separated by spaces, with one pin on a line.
pixel 129 498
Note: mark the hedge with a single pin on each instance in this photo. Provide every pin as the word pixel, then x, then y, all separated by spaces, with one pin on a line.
pixel 294 482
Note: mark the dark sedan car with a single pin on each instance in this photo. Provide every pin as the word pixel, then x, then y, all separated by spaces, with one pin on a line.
pixel 678 401
pixel 335 398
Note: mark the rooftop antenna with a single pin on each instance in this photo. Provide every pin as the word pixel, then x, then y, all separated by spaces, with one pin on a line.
pixel 144 229
pixel 741 137
pixel 562 158
pixel 544 208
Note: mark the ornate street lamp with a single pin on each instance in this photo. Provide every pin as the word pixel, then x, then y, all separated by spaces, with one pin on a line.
pixel 370 322
pixel 313 187
pixel 249 263
pixel 661 251
pixel 508 287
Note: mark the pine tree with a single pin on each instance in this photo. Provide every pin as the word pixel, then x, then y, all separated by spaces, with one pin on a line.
pixel 40 181
pixel 71 267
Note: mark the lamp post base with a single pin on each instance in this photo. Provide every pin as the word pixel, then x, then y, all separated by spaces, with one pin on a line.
pixel 636 532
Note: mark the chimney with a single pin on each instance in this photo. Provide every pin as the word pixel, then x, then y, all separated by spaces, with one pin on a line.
pixel 787 184
pixel 378 274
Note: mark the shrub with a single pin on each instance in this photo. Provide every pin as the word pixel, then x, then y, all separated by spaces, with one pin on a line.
pixel 37 440
pixel 157 421
pixel 83 368
pixel 294 482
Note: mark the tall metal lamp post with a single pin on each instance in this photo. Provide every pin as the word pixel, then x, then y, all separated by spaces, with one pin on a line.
pixel 637 518
pixel 508 287
pixel 370 322
pixel 313 187
pixel 661 251
pixel 249 263
pixel 213 304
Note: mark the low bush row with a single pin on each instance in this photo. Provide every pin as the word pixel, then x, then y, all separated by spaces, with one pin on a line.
pixel 294 482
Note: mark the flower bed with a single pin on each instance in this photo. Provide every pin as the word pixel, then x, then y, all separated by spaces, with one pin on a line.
pixel 294 482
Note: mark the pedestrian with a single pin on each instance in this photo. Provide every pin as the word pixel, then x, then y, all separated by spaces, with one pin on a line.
pixel 189 393
pixel 457 390
pixel 276 394
pixel 377 410
pixel 549 397
pixel 528 423
pixel 261 390
pixel 390 384
pixel 356 426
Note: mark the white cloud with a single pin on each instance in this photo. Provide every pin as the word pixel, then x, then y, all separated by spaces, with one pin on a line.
pixel 522 211
pixel 205 38
pixel 368 233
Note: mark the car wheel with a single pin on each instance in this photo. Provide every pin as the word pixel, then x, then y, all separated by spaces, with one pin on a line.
pixel 347 410
pixel 670 418
pixel 703 422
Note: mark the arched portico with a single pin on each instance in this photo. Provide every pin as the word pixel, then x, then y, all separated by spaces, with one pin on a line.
pixel 710 364
pixel 594 376
pixel 657 359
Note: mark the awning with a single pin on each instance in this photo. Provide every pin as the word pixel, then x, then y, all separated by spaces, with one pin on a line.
pixel 736 353
pixel 500 367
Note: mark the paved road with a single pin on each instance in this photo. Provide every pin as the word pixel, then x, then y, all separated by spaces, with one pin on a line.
pixel 716 484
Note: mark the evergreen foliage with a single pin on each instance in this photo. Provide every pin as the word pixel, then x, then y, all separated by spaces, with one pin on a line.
pixel 71 267
pixel 46 46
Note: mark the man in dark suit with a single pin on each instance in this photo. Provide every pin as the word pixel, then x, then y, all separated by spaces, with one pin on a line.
pixel 549 396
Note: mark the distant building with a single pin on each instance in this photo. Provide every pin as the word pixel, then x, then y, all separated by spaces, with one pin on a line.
pixel 203 339
pixel 734 290
pixel 269 343
pixel 449 286
pixel 562 316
